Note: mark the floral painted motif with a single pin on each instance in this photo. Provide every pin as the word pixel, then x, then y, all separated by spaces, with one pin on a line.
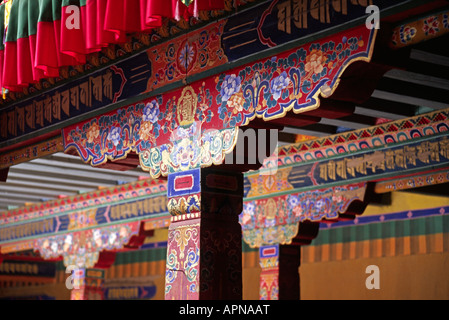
pixel 93 132
pixel 151 112
pixel 446 21
pixel 294 81
pixel 230 86
pixel 145 130
pixel 420 30
pixel 114 135
pixel 186 56
pixel 278 84
pixel 293 201
pixel 235 102
pixel 315 62
pixel 407 33
pixel 430 26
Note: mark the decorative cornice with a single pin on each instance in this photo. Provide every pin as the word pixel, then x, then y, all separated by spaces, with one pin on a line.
pixel 31 152
pixel 115 53
pixel 276 220
pixel 102 197
pixel 189 120
pixel 343 144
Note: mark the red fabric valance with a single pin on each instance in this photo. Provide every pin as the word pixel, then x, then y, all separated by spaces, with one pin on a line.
pixel 41 36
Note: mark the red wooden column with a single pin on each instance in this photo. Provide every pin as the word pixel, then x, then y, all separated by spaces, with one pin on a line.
pixel 289 262
pixel 269 276
pixel 279 278
pixel 204 254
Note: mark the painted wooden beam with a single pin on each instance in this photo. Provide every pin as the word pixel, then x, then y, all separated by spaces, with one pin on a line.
pixel 47 175
pixel 391 96
pixel 308 131
pixel 362 155
pixel 376 113
pixel 351 122
pixel 417 78
pixel 403 110
pixel 78 173
pixel 428 57
pixel 413 90
pixel 13 201
pixel 43 193
pixel 41 185
pixel 26 176
pixel 26 198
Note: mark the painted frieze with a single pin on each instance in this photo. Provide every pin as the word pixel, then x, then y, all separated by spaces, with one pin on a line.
pixel 277 22
pixel 135 43
pixel 385 134
pixel 98 89
pixel 99 198
pixel 138 201
pixel 407 152
pixel 414 181
pixel 197 125
pixel 156 66
pixel 80 219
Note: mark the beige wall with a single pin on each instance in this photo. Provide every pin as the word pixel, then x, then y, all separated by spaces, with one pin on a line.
pixel 415 277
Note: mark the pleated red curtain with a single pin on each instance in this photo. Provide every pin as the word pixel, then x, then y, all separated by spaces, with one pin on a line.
pixel 41 36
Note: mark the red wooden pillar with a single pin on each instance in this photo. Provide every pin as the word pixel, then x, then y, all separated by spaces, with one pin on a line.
pixel 269 276
pixel 204 254
pixel 279 278
pixel 289 262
